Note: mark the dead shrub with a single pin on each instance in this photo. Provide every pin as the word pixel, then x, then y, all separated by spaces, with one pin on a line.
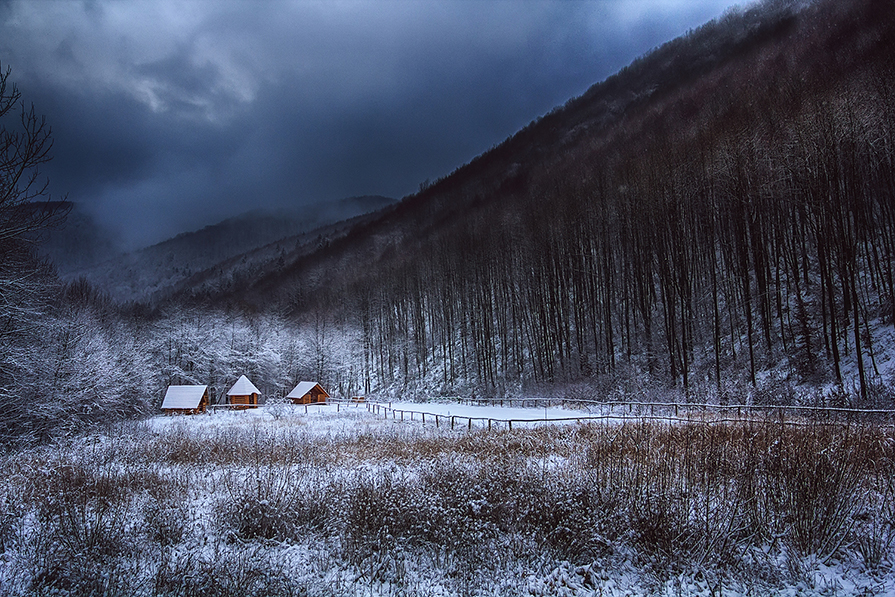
pixel 312 500
pixel 166 523
pixel 56 573
pixel 165 511
pixel 875 532
pixel 379 512
pixel 251 519
pixel 179 445
pixel 85 507
pixel 245 574
pixel 258 504
pixel 567 511
pixel 13 505
pixel 819 475
pixel 776 390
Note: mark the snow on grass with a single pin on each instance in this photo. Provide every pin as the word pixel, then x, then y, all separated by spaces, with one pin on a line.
pixel 530 416
pixel 334 500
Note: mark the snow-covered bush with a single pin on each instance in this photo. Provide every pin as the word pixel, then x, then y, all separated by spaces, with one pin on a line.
pixel 243 503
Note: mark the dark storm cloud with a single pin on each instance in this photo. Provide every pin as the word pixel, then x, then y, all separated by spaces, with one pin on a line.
pixel 171 115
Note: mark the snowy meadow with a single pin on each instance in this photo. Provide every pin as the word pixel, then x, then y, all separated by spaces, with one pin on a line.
pixel 288 501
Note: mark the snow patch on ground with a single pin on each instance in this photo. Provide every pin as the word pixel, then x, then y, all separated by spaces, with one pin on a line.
pixel 316 563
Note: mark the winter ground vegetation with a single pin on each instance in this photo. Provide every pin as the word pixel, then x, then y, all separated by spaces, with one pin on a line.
pixel 280 502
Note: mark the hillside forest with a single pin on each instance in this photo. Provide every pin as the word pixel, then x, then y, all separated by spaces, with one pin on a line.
pixel 714 223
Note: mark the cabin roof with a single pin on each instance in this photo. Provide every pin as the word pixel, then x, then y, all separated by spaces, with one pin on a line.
pixel 303 388
pixel 187 397
pixel 243 387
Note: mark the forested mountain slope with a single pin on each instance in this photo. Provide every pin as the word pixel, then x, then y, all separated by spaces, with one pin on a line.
pixel 239 271
pixel 154 272
pixel 723 207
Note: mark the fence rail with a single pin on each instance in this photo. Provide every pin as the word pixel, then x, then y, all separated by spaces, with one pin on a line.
pixel 541 402
pixel 621 411
pixel 646 411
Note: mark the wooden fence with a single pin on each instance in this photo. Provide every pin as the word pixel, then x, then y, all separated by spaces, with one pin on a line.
pixel 615 412
pixel 647 411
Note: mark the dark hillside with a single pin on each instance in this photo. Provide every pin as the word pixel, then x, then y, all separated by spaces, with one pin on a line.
pixel 163 268
pixel 722 208
pixel 242 270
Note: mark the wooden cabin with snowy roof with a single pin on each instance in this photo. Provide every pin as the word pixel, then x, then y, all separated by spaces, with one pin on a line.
pixel 185 400
pixel 243 394
pixel 308 392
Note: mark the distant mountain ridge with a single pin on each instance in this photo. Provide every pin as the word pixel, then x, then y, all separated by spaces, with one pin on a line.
pixel 82 249
pixel 231 275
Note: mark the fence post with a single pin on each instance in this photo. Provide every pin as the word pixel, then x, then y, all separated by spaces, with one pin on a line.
pixel 489 424
pixel 452 422
pixel 511 424
pixel 470 422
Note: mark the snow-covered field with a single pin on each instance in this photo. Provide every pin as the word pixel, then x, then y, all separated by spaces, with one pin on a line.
pixel 337 500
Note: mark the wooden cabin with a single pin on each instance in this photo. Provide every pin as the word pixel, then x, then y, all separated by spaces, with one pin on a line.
pixel 185 400
pixel 243 394
pixel 307 392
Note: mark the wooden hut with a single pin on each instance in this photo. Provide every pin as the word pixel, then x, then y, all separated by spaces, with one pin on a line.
pixel 307 392
pixel 185 400
pixel 243 394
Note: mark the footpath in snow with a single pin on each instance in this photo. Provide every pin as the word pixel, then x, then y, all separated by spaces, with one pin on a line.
pixel 479 414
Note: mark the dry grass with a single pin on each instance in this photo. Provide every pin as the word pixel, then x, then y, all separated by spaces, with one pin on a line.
pixel 465 506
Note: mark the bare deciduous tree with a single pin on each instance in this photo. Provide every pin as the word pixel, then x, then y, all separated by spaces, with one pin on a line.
pixel 25 144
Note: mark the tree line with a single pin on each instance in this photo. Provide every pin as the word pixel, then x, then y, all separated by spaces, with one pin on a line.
pixel 733 224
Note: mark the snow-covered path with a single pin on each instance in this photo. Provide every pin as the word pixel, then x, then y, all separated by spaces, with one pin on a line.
pixel 519 416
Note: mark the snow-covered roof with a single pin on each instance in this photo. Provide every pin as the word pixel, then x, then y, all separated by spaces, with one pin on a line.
pixel 243 387
pixel 183 396
pixel 303 388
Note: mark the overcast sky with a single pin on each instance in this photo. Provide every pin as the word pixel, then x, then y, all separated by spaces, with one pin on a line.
pixel 169 115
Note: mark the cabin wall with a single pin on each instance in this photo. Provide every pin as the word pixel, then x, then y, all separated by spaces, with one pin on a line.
pixel 314 396
pixel 243 402
pixel 184 411
pixel 306 399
